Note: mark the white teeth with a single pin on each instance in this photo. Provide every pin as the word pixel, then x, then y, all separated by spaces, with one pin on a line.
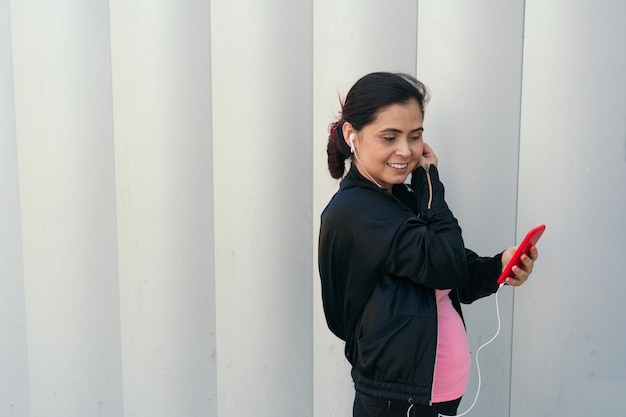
pixel 398 166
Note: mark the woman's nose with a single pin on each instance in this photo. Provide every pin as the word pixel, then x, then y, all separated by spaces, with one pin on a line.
pixel 403 148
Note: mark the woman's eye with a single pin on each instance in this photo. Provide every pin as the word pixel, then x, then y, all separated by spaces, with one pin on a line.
pixel 417 137
pixel 389 138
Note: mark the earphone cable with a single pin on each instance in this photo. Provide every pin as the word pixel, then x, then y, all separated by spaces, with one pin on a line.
pixel 366 171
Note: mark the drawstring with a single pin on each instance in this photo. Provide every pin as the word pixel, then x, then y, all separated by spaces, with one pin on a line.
pixel 412 402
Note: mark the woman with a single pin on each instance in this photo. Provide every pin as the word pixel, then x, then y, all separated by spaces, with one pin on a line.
pixel 392 261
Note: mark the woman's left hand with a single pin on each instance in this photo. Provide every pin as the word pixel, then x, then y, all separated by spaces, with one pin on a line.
pixel 522 272
pixel 428 157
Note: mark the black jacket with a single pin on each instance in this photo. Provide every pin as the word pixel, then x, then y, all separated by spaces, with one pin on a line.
pixel 381 255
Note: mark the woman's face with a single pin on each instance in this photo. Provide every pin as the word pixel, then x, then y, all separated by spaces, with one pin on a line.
pixel 390 147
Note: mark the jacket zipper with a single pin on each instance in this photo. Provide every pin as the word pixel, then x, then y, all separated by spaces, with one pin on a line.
pixel 430 187
pixel 430 191
pixel 432 388
pixel 430 200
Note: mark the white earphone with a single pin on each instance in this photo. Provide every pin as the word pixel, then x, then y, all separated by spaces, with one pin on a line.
pixel 353 150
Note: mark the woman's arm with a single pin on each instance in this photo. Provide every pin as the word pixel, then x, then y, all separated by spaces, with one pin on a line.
pixel 484 273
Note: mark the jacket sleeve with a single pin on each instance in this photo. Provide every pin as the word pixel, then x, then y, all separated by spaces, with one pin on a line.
pixel 429 249
pixel 483 277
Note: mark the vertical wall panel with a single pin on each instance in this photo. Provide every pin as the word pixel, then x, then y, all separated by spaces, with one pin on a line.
pixel 13 354
pixel 162 108
pixel 569 341
pixel 65 148
pixel 351 38
pixel 470 56
pixel 262 96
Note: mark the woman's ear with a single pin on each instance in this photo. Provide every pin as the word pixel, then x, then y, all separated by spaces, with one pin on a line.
pixel 349 135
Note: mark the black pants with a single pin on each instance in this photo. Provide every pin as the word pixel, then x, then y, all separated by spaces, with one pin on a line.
pixel 366 406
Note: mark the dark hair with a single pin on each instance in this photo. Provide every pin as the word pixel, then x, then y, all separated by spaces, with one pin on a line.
pixel 367 97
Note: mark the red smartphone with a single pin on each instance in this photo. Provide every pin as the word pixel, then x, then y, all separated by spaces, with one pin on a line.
pixel 531 239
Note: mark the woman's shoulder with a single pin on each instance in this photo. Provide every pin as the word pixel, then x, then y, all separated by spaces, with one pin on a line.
pixel 366 203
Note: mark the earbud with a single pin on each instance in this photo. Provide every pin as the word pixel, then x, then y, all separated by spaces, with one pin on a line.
pixel 351 138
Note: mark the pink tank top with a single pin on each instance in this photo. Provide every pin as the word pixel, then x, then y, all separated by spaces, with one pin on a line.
pixel 453 362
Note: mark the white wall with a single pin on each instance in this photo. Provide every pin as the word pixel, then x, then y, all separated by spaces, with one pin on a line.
pixel 163 168
pixel 161 77
pixel 262 112
pixel 14 396
pixel 569 342
pixel 64 131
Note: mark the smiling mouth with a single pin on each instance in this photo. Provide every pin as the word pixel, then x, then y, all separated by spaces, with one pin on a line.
pixel 398 166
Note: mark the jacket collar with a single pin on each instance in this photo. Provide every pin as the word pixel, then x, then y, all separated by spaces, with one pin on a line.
pixel 354 179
